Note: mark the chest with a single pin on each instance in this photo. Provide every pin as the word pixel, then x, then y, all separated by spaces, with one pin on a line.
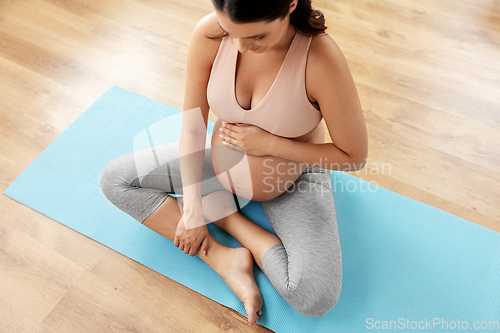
pixel 254 77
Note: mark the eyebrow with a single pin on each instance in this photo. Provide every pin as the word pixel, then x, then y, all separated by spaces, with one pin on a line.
pixel 242 37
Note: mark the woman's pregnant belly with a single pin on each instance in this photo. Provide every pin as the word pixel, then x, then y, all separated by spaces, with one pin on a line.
pixel 258 178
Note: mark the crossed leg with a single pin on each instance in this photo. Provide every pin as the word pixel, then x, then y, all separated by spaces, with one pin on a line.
pixel 142 193
pixel 220 209
pixel 234 265
pixel 303 260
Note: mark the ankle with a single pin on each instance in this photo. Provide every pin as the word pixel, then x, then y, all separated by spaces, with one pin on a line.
pixel 213 254
pixel 221 223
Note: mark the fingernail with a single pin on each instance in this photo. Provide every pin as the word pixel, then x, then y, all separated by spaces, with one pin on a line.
pixel 221 135
pixel 224 124
pixel 220 129
pixel 224 142
pixel 205 252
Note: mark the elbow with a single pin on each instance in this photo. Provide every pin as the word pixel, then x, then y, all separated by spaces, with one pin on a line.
pixel 359 165
pixel 358 162
pixel 354 161
pixel 194 122
pixel 360 157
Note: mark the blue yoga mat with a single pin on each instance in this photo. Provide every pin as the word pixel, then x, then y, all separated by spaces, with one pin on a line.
pixel 406 265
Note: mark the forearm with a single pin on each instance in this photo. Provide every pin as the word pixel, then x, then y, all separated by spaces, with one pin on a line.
pixel 323 155
pixel 191 157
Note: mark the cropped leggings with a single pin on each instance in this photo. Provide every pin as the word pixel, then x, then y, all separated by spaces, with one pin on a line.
pixel 306 269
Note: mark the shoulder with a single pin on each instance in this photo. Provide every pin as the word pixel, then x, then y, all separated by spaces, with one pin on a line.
pixel 325 64
pixel 331 86
pixel 205 49
pixel 325 52
pixel 207 26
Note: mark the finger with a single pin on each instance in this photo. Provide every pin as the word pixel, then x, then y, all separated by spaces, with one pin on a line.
pixel 233 147
pixel 193 251
pixel 223 130
pixel 230 146
pixel 225 138
pixel 204 247
pixel 233 143
pixel 230 143
pixel 227 133
pixel 176 241
pixel 187 249
pixel 230 140
pixel 230 128
pixel 181 247
pixel 227 144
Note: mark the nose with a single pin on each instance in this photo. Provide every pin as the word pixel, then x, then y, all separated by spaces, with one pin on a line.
pixel 243 45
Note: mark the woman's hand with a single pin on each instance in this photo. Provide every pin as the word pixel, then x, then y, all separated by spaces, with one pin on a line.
pixel 189 239
pixel 251 139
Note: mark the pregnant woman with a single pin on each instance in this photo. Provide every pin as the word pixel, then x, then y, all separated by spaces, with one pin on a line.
pixel 270 74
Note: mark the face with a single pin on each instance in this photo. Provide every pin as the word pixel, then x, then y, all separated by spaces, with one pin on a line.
pixel 255 37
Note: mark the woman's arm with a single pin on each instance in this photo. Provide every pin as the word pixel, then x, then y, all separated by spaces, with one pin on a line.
pixel 330 83
pixel 323 155
pixel 201 53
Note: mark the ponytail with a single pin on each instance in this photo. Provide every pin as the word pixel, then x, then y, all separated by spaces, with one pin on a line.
pixel 307 20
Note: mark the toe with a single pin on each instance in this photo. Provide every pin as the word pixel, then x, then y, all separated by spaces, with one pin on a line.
pixel 252 316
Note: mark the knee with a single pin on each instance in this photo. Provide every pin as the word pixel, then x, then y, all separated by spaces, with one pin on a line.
pixel 110 179
pixel 316 300
pixel 218 205
pixel 106 179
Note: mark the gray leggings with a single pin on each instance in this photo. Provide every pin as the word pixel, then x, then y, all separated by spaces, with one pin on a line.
pixel 306 269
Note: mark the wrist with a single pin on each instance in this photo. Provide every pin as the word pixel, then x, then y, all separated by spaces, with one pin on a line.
pixel 192 210
pixel 274 144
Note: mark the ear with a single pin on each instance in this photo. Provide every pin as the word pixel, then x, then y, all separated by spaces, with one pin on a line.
pixel 293 6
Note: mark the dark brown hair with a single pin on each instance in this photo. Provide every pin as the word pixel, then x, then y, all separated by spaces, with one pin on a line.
pixel 303 18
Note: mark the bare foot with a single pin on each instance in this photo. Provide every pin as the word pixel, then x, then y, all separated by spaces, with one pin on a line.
pixel 237 272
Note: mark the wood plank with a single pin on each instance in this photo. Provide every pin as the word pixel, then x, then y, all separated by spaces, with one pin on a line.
pixel 34 278
pixel 378 175
pixel 450 134
pixel 417 171
pixel 16 321
pixel 400 48
pixel 75 247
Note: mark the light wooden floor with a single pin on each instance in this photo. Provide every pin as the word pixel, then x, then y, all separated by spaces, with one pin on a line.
pixel 428 74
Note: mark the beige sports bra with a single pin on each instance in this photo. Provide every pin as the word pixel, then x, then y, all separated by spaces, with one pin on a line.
pixel 285 110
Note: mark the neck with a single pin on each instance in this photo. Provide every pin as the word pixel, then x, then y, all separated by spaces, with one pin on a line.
pixel 286 39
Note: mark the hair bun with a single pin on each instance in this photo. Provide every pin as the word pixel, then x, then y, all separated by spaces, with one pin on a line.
pixel 317 20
